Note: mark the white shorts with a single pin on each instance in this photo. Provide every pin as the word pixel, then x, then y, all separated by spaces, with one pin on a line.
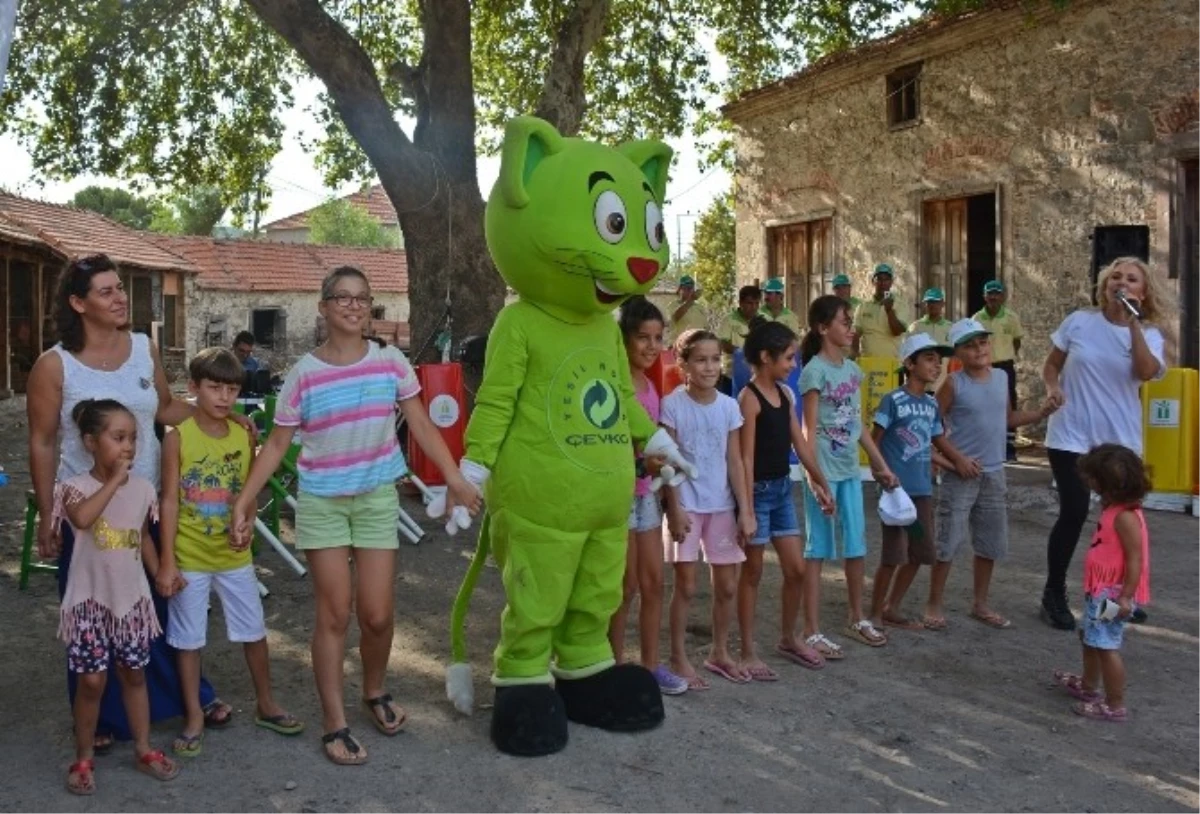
pixel 187 611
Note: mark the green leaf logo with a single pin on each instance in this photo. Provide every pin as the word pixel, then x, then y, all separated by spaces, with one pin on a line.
pixel 600 405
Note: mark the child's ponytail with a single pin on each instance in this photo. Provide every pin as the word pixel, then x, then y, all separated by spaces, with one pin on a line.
pixel 821 314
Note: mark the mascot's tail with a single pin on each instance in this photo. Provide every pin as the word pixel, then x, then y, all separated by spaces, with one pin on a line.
pixel 460 687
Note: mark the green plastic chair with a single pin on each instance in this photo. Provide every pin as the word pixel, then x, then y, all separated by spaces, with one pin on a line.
pixel 28 564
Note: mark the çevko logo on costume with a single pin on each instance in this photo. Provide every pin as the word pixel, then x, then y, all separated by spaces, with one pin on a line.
pixel 584 407
pixel 443 411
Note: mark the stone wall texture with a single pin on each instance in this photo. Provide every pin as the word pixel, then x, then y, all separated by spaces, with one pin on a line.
pixel 205 304
pixel 1078 117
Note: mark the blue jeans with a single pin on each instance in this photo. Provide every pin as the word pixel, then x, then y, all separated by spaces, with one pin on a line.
pixel 162 678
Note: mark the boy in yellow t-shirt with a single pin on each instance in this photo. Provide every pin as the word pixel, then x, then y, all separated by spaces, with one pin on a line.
pixel 205 461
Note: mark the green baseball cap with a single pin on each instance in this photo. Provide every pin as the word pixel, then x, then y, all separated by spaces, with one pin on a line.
pixel 933 295
pixel 841 279
pixel 687 280
pixel 993 287
pixel 882 268
pixel 773 286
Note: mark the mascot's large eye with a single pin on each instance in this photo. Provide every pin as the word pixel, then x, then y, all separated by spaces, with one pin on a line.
pixel 654 226
pixel 610 216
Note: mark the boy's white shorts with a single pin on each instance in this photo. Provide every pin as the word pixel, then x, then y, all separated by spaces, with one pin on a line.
pixel 187 611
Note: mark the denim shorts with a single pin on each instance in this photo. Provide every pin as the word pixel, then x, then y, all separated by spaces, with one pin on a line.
pixel 822 529
pixel 774 510
pixel 1096 632
pixel 645 514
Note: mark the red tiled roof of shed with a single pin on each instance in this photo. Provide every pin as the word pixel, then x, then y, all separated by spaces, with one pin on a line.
pixel 373 200
pixel 256 265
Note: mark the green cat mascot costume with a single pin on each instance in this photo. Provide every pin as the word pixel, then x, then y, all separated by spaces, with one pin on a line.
pixel 575 228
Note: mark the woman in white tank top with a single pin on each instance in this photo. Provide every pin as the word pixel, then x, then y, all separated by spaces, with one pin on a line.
pixel 99 357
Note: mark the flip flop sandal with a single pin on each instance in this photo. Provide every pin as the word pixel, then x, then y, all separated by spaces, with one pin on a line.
pixel 761 672
pixel 903 624
pixel 392 724
pixel 696 683
pixel 828 650
pixel 157 765
pixel 991 619
pixel 934 623
pixel 217 714
pixel 865 632
pixel 84 783
pixel 285 724
pixel 186 745
pixel 1100 711
pixel 103 743
pixel 355 754
pixel 1073 684
pixel 725 673
pixel 798 657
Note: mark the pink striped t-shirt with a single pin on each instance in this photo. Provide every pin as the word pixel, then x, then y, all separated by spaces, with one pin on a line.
pixel 346 415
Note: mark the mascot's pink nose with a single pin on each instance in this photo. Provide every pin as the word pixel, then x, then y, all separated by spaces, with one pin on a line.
pixel 642 269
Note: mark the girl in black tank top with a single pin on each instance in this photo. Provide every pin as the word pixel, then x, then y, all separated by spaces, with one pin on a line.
pixel 772 435
pixel 769 433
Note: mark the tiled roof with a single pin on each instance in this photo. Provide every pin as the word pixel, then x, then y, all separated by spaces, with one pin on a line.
pixel 259 265
pixel 372 199
pixel 73 233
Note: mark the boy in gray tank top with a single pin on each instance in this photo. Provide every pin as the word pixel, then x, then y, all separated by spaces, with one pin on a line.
pixel 974 403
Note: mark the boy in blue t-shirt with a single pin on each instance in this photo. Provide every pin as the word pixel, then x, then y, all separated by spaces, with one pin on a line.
pixel 908 432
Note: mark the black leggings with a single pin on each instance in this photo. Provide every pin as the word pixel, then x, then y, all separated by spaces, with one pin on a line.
pixel 1073 503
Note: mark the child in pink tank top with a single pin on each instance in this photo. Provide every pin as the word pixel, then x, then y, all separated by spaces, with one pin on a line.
pixel 1116 579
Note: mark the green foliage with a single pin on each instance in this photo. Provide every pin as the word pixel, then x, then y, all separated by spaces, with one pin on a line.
pixel 117 204
pixel 341 223
pixel 191 93
pixel 713 260
pixel 195 212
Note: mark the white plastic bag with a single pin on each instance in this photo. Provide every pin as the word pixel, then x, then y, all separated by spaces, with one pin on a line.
pixel 896 508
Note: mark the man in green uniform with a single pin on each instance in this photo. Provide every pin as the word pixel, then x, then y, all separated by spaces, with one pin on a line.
pixel 773 307
pixel 878 327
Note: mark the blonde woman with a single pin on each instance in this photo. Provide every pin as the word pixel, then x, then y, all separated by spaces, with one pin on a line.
pixel 1101 357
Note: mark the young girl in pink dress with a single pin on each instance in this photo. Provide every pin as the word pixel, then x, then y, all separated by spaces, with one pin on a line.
pixel 107 617
pixel 1116 579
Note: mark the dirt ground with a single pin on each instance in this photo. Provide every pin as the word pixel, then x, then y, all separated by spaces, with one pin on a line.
pixel 961 720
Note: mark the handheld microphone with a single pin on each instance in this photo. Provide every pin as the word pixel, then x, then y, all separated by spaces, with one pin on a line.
pixel 1129 306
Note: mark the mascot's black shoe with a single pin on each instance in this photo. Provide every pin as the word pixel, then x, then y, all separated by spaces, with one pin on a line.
pixel 529 720
pixel 624 698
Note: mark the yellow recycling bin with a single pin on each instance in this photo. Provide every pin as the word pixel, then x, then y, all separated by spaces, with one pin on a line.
pixel 1170 433
pixel 881 375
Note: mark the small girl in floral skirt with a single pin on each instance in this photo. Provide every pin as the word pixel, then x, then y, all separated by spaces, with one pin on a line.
pixel 107 614
pixel 1116 579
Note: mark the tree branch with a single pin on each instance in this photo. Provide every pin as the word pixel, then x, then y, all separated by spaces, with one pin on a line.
pixel 562 100
pixel 340 62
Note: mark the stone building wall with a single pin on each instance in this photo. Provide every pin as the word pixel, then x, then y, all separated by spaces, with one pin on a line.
pixel 1076 117
pixel 206 306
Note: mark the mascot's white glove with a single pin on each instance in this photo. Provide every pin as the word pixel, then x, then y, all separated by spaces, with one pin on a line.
pixel 460 518
pixel 677 468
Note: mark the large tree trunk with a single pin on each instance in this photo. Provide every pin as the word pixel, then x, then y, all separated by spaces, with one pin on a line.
pixel 432 184
pixel 562 100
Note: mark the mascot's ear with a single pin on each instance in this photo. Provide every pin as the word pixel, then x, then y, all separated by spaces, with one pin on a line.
pixel 527 140
pixel 654 159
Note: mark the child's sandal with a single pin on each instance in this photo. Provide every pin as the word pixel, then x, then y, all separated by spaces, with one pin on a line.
pixel 1073 684
pixel 157 765
pixel 81 778
pixel 1100 711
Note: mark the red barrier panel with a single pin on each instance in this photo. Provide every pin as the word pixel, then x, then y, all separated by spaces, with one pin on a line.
pixel 443 396
pixel 665 373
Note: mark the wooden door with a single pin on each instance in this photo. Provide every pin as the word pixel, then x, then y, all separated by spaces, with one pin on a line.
pixel 944 247
pixel 802 256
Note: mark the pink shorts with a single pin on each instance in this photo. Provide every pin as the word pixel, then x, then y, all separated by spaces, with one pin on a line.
pixel 715 534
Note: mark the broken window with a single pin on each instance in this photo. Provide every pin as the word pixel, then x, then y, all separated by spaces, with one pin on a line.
pixel 904 96
pixel 269 326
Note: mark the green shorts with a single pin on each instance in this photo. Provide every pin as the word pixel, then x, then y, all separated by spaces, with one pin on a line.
pixel 355 521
